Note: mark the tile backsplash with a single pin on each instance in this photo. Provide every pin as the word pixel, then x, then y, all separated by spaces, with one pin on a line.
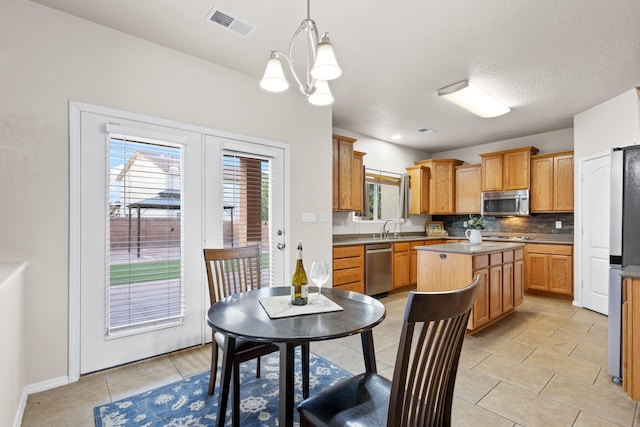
pixel 537 223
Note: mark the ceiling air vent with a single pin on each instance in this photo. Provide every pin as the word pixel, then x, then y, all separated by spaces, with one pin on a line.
pixel 426 130
pixel 229 22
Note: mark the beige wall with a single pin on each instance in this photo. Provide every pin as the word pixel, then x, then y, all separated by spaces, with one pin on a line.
pixel 48 58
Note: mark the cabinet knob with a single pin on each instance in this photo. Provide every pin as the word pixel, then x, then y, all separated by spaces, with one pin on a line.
pixel 443 256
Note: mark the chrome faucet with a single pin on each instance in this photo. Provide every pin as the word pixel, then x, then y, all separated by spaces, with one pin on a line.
pixel 385 232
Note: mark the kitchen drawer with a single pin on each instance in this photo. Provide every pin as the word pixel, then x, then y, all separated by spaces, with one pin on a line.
pixel 518 254
pixel 414 244
pixel 354 287
pixel 495 259
pixel 401 247
pixel 507 256
pixel 480 261
pixel 348 251
pixel 550 249
pixel 342 263
pixel 348 275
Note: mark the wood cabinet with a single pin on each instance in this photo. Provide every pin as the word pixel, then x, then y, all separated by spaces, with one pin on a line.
pixel 468 189
pixel 506 170
pixel 549 269
pixel 631 337
pixel 348 268
pixel 419 184
pixel 401 264
pixel 434 187
pixel 413 257
pixel 499 291
pixel 552 182
pixel 348 175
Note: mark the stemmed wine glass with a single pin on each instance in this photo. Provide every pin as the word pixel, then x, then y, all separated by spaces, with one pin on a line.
pixel 319 274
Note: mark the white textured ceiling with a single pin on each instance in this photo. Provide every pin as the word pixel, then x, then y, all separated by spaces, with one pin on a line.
pixel 547 59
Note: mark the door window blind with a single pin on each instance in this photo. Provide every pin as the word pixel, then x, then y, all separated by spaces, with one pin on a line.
pixel 246 181
pixel 144 283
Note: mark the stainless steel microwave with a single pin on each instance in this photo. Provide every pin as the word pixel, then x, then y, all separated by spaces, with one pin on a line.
pixel 505 203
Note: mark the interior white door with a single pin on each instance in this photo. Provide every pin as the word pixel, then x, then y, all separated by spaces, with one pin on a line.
pixel 273 156
pixel 595 194
pixel 103 343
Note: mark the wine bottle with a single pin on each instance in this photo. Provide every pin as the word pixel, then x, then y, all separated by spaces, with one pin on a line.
pixel 299 284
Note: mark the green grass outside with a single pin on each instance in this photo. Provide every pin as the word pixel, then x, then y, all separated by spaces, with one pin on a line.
pixel 144 272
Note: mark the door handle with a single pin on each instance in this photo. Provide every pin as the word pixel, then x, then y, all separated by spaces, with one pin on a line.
pixel 280 246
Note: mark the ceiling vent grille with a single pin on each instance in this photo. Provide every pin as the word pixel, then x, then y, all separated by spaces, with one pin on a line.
pixel 426 130
pixel 229 22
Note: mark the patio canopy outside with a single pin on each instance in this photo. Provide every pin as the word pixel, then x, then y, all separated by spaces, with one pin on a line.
pixel 169 199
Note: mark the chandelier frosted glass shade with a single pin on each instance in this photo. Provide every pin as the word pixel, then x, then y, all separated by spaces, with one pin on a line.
pixel 326 67
pixel 322 94
pixel 473 99
pixel 273 79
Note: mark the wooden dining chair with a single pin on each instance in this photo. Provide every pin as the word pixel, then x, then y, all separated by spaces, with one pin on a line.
pixel 231 271
pixel 421 392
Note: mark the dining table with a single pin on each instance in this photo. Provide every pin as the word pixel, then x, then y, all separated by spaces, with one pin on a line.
pixel 244 316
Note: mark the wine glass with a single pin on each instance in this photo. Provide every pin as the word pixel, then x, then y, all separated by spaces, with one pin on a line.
pixel 319 274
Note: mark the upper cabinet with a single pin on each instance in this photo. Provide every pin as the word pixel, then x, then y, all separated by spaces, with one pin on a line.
pixel 552 182
pixel 435 186
pixel 468 189
pixel 506 170
pixel 348 175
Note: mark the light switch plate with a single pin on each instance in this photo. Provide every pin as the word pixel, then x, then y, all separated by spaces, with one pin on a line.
pixel 308 217
pixel 558 224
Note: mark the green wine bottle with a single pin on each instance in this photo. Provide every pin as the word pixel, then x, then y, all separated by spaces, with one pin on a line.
pixel 299 284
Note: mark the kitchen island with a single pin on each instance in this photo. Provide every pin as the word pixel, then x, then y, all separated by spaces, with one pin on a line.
pixel 453 265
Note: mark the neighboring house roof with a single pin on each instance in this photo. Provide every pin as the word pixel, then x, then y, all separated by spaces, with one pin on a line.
pixel 164 163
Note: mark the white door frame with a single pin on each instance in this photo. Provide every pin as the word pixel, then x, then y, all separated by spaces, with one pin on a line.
pixel 75 111
pixel 578 229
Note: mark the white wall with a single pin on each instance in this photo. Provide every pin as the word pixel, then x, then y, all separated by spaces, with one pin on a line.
pixel 384 156
pixel 12 366
pixel 614 123
pixel 548 142
pixel 48 58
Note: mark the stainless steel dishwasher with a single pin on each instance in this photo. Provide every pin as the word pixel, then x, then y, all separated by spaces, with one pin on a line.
pixel 378 259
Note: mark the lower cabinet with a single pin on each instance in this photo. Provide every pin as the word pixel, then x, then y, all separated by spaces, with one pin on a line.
pixel 413 257
pixel 348 268
pixel 631 330
pixel 549 269
pixel 401 264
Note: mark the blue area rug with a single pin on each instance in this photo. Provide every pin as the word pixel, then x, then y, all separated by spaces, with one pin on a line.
pixel 186 403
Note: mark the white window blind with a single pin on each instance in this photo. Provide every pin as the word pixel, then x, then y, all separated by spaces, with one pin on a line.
pixel 246 181
pixel 144 283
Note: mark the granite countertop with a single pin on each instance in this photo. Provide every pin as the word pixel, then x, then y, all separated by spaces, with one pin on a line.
pixel 365 239
pixel 632 271
pixel 467 248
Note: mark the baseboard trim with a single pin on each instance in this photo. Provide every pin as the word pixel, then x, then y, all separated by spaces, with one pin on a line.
pixel 46 385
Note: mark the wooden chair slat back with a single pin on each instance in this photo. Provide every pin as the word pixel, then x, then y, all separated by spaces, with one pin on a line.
pixel 232 270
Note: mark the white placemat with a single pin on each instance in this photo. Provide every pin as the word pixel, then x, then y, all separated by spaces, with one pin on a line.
pixel 280 306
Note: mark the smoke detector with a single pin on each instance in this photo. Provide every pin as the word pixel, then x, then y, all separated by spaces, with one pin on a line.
pixel 229 22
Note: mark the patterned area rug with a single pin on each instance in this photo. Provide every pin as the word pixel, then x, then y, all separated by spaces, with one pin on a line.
pixel 186 403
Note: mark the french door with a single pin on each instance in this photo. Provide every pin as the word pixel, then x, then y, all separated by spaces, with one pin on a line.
pixel 150 196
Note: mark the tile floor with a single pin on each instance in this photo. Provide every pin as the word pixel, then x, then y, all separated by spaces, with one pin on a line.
pixel 544 365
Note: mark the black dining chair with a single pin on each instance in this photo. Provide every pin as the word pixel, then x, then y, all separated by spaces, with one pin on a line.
pixel 231 271
pixel 421 392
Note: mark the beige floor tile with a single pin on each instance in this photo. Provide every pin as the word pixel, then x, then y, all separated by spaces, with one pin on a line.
pixel 139 369
pixel 473 386
pixel 537 340
pixel 464 413
pixel 591 399
pixel 594 353
pixel 526 408
pixel 471 355
pixel 579 370
pixel 510 349
pixel 588 420
pixel 140 383
pixel 521 375
pixel 192 361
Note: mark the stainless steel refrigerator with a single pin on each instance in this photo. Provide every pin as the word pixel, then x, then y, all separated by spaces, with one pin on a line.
pixel 624 245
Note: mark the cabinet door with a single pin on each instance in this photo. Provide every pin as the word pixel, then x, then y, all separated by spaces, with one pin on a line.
pixel 492 172
pixel 419 184
pixel 336 175
pixel 413 262
pixel 518 282
pixel 357 182
pixel 542 184
pixel 563 183
pixel 561 274
pixel 495 292
pixel 480 312
pixel 468 189
pixel 401 269
pixel 442 189
pixel 507 287
pixel 516 170
pixel 537 271
pixel 345 172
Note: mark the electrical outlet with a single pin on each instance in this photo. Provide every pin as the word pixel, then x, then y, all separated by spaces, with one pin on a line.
pixel 465 224
pixel 558 224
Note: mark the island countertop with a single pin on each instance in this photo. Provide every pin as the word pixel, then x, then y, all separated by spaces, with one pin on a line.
pixel 469 249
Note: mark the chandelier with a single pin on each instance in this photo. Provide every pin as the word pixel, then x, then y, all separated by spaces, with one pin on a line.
pixel 321 65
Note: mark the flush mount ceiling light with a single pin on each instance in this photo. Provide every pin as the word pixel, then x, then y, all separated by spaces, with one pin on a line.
pixel 473 99
pixel 321 65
